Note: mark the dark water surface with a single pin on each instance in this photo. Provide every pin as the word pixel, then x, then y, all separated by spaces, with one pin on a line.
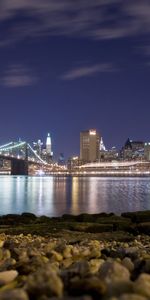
pixel 54 196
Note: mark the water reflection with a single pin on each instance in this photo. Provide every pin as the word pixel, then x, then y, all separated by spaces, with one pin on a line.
pixel 54 196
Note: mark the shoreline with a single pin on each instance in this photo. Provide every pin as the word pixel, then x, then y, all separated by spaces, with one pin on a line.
pixel 84 257
pixel 137 222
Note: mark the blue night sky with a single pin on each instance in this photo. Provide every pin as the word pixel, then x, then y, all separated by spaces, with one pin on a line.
pixel 71 65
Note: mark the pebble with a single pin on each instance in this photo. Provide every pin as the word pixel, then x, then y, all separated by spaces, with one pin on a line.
pixel 49 268
pixel 7 276
pixel 112 271
pixel 127 262
pixel 142 285
pixel 15 294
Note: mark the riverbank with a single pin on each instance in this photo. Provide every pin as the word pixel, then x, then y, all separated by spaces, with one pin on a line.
pixel 100 256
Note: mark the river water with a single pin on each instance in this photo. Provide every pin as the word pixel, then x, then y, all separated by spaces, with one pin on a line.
pixel 55 196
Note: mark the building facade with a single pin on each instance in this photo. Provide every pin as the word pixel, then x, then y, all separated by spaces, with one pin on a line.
pixel 132 149
pixel 147 151
pixel 89 145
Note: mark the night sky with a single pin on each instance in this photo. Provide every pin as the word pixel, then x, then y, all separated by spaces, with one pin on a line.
pixel 71 65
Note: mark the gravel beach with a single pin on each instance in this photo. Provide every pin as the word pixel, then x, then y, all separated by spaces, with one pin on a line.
pixel 83 257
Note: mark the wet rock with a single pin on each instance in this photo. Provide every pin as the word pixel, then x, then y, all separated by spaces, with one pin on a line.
pixel 28 216
pixel 138 217
pixel 144 227
pixel 96 228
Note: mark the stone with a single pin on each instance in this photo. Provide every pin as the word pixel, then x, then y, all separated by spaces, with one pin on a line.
pixel 92 286
pixel 127 262
pixel 95 264
pixel 131 297
pixel 119 287
pixel 142 285
pixel 15 294
pixel 7 276
pixel 112 271
pixel 44 281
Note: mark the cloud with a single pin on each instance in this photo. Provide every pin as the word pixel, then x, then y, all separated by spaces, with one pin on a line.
pixel 18 76
pixel 85 71
pixel 96 19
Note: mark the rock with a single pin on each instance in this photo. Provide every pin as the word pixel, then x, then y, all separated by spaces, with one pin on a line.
pixel 2 243
pixel 144 227
pixel 137 217
pixel 80 268
pixel 7 276
pixel 56 256
pixel 70 218
pixel 28 216
pixel 95 228
pixel 112 271
pixel 94 265
pixel 67 253
pixel 15 294
pixel 67 262
pixel 142 285
pixel 119 287
pixel 87 286
pixel 127 262
pixel 85 218
pixel 131 297
pixel 44 281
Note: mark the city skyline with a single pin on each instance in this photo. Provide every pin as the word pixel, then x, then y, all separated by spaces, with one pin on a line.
pixel 68 66
pixel 46 145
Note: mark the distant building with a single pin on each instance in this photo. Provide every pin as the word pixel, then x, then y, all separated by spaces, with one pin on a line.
pixel 89 145
pixel 132 149
pixel 48 152
pixel 74 162
pixel 48 144
pixel 37 146
pixel 102 146
pixel 109 155
pixel 61 160
pixel 147 151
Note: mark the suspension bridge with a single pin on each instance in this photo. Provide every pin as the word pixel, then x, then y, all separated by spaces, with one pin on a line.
pixel 21 155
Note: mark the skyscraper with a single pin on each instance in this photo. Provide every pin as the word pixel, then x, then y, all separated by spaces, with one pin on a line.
pixel 47 152
pixel 38 147
pixel 89 145
pixel 48 144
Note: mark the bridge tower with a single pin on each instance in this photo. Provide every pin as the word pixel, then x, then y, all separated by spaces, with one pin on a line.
pixel 18 166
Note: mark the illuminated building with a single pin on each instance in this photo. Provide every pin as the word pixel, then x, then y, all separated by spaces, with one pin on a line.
pixel 109 155
pixel 48 150
pixel 132 149
pixel 89 145
pixel 37 146
pixel 48 144
pixel 61 160
pixel 102 146
pixel 147 151
pixel 74 162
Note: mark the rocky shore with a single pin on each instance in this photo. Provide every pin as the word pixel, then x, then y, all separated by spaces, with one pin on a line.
pixel 84 257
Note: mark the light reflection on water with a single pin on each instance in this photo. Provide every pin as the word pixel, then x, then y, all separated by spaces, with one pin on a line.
pixel 54 196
